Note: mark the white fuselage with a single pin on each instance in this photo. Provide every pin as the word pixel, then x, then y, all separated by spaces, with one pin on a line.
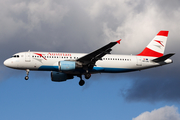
pixel 111 63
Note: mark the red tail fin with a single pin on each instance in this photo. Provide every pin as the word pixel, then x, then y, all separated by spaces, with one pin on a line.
pixel 157 46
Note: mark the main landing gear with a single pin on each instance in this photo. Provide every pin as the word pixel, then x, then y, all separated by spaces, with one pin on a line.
pixel 82 82
pixel 27 73
pixel 87 75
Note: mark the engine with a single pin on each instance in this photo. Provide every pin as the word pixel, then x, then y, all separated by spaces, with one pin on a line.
pixel 68 65
pixel 60 77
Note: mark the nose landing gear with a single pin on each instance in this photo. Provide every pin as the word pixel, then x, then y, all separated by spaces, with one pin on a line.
pixel 27 73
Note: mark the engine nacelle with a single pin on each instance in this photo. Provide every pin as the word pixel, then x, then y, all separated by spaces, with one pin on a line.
pixel 68 65
pixel 60 77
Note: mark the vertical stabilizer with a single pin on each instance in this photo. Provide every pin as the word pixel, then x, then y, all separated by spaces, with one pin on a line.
pixel 157 46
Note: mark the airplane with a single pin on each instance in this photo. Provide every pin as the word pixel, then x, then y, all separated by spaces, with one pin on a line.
pixel 65 66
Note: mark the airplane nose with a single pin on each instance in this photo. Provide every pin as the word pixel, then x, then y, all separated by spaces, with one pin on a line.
pixel 7 62
pixel 10 63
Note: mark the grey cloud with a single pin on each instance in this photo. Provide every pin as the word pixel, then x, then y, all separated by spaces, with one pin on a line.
pixel 167 6
pixel 157 84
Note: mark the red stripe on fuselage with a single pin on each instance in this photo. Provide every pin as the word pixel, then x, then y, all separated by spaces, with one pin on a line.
pixel 40 55
pixel 150 53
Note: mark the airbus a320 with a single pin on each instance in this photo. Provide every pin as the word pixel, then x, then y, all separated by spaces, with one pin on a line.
pixel 65 66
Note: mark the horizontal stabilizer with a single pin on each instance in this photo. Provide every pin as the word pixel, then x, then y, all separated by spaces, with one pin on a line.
pixel 163 58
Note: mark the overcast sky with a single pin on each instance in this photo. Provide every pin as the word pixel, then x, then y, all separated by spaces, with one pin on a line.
pixel 83 26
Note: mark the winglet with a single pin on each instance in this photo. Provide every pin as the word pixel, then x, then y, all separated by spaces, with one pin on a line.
pixel 118 41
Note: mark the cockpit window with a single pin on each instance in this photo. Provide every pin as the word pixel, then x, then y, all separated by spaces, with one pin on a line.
pixel 15 56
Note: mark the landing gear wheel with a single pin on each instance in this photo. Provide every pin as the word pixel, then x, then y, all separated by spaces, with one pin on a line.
pixel 81 82
pixel 26 78
pixel 27 73
pixel 87 76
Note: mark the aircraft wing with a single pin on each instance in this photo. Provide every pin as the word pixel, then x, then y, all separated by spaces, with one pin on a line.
pixel 91 58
